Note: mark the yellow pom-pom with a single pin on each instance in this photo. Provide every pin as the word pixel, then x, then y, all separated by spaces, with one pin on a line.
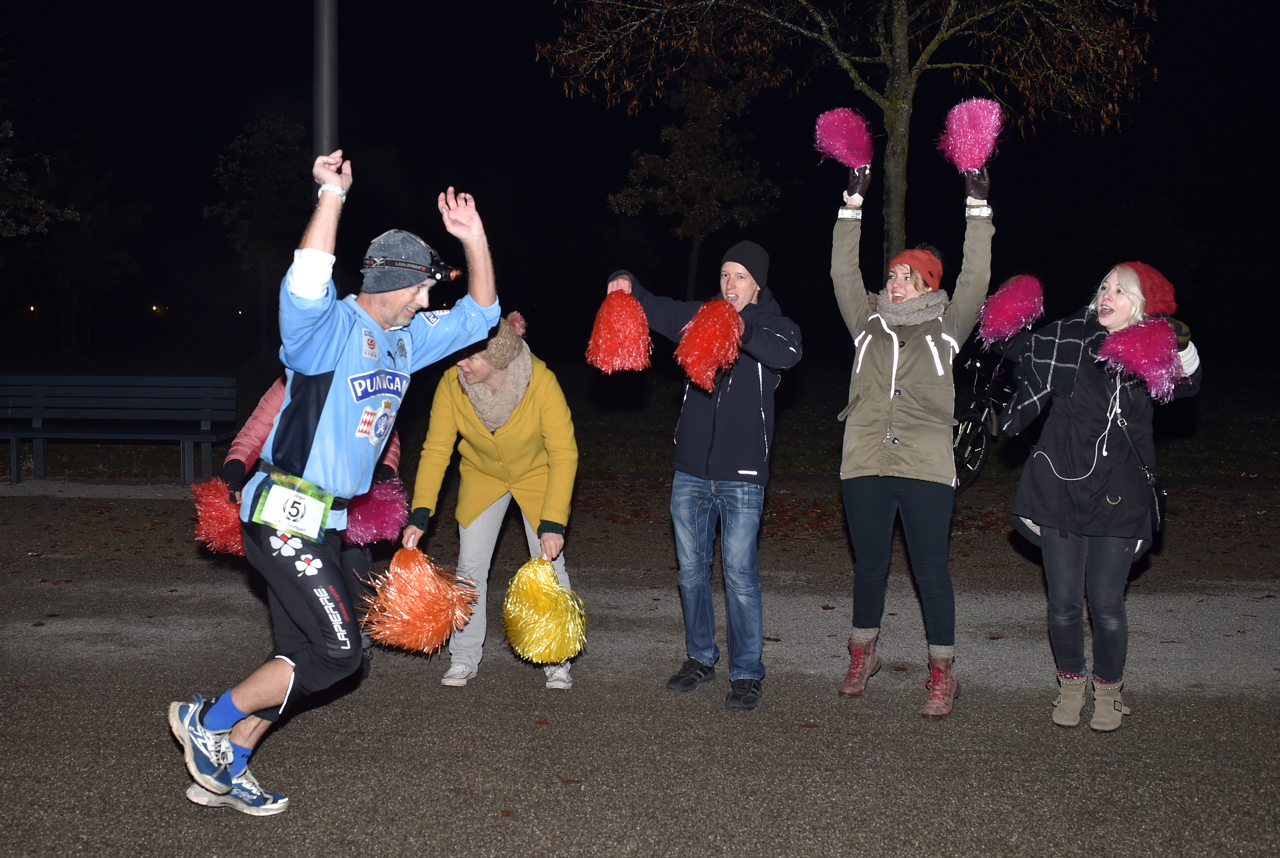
pixel 545 623
pixel 416 604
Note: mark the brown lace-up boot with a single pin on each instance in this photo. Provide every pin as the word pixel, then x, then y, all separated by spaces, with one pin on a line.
pixel 943 689
pixel 864 662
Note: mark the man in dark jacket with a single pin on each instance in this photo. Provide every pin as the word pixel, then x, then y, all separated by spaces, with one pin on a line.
pixel 721 466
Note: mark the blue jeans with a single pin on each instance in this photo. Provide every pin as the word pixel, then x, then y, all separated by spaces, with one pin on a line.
pixel 696 505
pixel 1099 564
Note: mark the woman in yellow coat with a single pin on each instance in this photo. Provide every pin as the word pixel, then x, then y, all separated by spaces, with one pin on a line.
pixel 516 441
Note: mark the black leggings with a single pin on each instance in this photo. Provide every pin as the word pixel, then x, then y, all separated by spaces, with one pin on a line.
pixel 870 505
pixel 314 623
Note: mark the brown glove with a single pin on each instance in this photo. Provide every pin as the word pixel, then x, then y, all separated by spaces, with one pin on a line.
pixel 977 184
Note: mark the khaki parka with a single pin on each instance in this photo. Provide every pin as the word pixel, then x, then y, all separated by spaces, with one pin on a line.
pixel 899 419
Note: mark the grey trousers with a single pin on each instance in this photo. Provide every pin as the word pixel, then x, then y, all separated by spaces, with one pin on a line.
pixel 475 554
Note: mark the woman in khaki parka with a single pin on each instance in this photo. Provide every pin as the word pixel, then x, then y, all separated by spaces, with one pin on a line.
pixel 898 424
pixel 516 442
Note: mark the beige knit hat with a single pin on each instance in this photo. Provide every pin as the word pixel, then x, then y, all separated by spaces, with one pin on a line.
pixel 505 345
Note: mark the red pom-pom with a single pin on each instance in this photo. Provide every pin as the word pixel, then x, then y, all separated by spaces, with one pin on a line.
pixel 218 517
pixel 416 604
pixel 380 513
pixel 709 343
pixel 620 336
pixel 843 134
pixel 1148 351
pixel 1016 304
pixel 972 129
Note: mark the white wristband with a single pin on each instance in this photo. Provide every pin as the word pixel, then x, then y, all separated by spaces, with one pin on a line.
pixel 977 211
pixel 337 189
pixel 849 213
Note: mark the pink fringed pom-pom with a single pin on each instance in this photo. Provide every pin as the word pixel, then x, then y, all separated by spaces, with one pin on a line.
pixel 517 322
pixel 1016 304
pixel 620 336
pixel 843 134
pixel 217 517
pixel 416 604
pixel 972 129
pixel 380 513
pixel 1148 351
pixel 709 343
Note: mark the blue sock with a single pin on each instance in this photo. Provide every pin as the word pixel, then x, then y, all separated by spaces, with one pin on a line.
pixel 222 715
pixel 241 760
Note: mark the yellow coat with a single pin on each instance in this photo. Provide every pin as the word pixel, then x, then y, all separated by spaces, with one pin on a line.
pixel 533 455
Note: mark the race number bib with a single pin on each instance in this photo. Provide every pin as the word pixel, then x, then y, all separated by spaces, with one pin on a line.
pixel 292 504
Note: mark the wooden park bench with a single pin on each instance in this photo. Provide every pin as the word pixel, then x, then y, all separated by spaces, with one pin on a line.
pixel 116 408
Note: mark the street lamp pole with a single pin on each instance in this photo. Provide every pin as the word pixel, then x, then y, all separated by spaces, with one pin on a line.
pixel 325 83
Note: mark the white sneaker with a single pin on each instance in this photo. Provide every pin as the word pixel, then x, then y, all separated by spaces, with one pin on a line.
pixel 457 675
pixel 558 678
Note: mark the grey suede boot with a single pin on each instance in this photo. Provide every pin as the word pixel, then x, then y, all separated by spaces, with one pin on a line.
pixel 1066 709
pixel 1108 709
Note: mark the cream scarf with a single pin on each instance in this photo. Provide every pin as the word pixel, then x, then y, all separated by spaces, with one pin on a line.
pixel 494 407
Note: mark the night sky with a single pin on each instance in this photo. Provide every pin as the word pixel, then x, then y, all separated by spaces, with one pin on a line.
pixel 433 94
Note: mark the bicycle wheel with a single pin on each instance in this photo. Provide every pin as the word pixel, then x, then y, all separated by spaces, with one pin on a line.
pixel 971 445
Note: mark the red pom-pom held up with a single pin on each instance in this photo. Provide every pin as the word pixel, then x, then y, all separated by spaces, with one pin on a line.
pixel 843 134
pixel 380 513
pixel 972 129
pixel 218 517
pixel 709 343
pixel 416 605
pixel 620 336
pixel 1148 351
pixel 1016 304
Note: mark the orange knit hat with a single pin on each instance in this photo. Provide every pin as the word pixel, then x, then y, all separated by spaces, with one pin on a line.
pixel 929 266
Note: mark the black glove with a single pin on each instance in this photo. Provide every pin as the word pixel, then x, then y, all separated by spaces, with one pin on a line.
pixel 859 180
pixel 977 184
pixel 1180 328
pixel 383 472
pixel 233 474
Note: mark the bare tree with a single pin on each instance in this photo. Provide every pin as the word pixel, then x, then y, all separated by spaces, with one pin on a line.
pixel 1078 59
pixel 703 179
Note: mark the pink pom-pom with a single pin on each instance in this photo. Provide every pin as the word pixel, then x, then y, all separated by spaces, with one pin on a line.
pixel 1148 351
pixel 1016 304
pixel 620 335
pixel 217 517
pixel 517 322
pixel 416 604
pixel 972 129
pixel 843 134
pixel 380 513
pixel 709 343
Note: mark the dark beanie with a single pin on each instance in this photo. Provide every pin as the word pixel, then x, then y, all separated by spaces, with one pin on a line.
pixel 752 257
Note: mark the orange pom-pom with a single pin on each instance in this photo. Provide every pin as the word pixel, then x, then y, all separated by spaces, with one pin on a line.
pixel 710 342
pixel 620 336
pixel 416 604
pixel 218 517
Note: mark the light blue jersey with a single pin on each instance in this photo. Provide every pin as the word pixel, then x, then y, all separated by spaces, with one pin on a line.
pixel 345 378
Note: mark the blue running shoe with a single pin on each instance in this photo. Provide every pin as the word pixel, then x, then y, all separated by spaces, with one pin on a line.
pixel 246 796
pixel 208 754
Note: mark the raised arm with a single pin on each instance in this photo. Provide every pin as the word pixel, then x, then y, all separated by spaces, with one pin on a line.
pixel 846 239
pixel 975 270
pixel 458 211
pixel 333 175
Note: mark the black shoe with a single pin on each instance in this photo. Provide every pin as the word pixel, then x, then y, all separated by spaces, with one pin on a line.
pixel 745 694
pixel 691 675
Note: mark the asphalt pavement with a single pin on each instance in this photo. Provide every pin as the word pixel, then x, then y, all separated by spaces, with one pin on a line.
pixel 97 644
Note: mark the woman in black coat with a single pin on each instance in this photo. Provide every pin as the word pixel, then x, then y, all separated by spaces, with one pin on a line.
pixel 1084 496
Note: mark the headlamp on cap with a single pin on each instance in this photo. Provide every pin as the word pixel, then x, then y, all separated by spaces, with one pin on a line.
pixel 435 269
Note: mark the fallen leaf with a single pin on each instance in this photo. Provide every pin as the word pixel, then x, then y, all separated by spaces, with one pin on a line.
pixel 828 607
pixel 38 624
pixel 775 640
pixel 808 724
pixel 573 780
pixel 539 720
pixel 507 812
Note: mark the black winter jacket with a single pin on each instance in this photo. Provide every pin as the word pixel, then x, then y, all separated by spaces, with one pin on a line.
pixel 728 434
pixel 1083 476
